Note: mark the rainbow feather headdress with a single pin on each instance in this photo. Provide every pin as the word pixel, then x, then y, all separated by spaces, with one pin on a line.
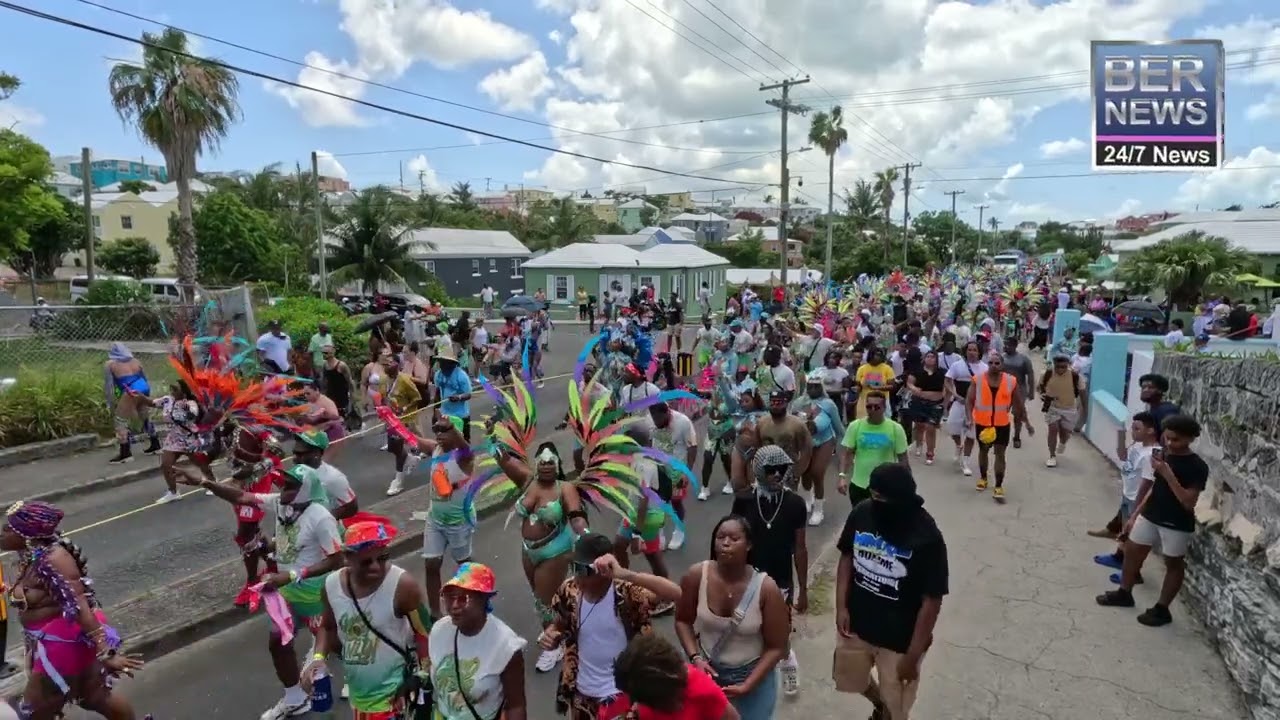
pixel 224 396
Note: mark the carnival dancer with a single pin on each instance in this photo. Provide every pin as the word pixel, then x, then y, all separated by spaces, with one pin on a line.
pixel 959 378
pixel 994 403
pixel 307 546
pixel 823 420
pixel 308 451
pixel 125 385
pixel 706 342
pixel 376 616
pixel 641 533
pixel 185 437
pixel 593 391
pixel 403 400
pixel 255 462
pixel 72 653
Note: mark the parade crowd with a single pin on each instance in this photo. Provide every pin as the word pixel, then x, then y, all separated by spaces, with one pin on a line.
pixel 866 379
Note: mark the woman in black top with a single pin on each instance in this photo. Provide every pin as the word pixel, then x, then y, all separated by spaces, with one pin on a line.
pixel 927 385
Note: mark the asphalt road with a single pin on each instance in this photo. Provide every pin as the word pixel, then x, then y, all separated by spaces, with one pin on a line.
pixel 229 675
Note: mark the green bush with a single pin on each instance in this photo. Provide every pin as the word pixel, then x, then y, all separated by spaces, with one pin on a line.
pixel 301 317
pixel 120 310
pixel 117 292
pixel 47 405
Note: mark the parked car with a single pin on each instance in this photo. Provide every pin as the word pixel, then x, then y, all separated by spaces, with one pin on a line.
pixel 399 302
pixel 80 285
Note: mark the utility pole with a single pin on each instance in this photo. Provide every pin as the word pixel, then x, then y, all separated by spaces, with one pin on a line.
pixel 320 248
pixel 906 212
pixel 981 208
pixel 402 176
pixel 787 107
pixel 86 189
pixel 422 182
pixel 954 220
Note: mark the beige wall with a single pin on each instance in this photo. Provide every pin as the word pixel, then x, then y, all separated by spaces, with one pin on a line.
pixel 145 220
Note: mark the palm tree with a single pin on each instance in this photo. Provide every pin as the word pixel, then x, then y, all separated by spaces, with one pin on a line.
pixel 371 242
pixel 264 189
pixel 862 206
pixel 827 131
pixel 182 105
pixel 884 183
pixel 462 197
pixel 1186 265
pixel 568 223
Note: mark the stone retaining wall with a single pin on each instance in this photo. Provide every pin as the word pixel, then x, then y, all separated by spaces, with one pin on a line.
pixel 1233 581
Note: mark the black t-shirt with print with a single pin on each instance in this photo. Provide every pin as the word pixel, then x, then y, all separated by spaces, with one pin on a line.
pixel 889 581
pixel 773 538
pixel 1162 507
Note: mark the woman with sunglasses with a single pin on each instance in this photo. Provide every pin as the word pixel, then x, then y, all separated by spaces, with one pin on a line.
pixel 732 621
pixel 376 615
pixel 477 661
pixel 553 517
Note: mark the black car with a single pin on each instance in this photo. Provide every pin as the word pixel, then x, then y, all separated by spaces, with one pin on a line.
pixel 399 302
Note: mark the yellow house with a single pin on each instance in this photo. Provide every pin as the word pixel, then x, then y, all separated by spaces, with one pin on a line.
pixel 681 201
pixel 120 215
pixel 604 209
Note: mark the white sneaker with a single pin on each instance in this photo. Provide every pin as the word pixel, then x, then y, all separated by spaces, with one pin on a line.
pixel 727 489
pixel 964 467
pixel 677 540
pixel 208 493
pixel 383 448
pixel 919 450
pixel 168 497
pixel 285 709
pixel 1051 462
pixel 345 693
pixel 790 678
pixel 955 455
pixel 816 516
pixel 397 484
pixel 548 660
pixel 704 493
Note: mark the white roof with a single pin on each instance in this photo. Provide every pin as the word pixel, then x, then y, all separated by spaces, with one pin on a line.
pixel 587 255
pixel 597 255
pixel 196 186
pixel 637 240
pixel 155 199
pixel 677 233
pixel 766 276
pixel 1257 238
pixel 61 178
pixel 432 243
pixel 695 217
pixel 679 255
pixel 1259 215
pixel 636 203
pixel 767 232
pixel 648 231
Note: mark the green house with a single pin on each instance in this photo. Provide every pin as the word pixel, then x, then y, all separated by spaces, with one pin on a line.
pixel 681 267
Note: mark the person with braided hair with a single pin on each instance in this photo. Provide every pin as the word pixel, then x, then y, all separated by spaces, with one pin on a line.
pixel 660 684
pixel 72 654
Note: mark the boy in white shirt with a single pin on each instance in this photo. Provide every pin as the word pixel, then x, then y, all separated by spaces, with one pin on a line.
pixel 1136 477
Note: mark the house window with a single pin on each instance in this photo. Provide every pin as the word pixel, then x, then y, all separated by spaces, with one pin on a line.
pixel 493 265
pixel 431 266
pixel 475 267
pixel 97 221
pixel 517 268
pixel 126 222
pixel 561 288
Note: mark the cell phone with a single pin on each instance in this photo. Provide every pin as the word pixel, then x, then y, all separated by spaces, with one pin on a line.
pixel 1157 454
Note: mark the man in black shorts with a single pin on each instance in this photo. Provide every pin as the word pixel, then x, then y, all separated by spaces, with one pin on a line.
pixel 994 404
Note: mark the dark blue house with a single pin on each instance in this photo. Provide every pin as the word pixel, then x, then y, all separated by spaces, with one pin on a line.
pixel 467 260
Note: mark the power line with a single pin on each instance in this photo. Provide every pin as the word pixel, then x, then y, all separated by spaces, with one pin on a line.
pixel 737 39
pixel 1058 176
pixel 752 35
pixel 376 106
pixel 678 34
pixel 383 86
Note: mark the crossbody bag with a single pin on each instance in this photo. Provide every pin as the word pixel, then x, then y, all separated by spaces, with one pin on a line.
pixel 418 701
pixel 457 675
pixel 739 613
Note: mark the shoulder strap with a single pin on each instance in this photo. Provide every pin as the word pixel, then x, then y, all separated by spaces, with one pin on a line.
pixel 739 613
pixel 409 657
pixel 457 674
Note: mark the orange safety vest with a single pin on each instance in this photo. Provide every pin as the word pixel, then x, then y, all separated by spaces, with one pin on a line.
pixel 994 412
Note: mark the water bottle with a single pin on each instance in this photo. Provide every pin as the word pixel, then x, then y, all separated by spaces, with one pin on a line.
pixel 322 695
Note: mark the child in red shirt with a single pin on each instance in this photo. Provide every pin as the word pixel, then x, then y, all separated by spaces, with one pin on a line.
pixel 658 684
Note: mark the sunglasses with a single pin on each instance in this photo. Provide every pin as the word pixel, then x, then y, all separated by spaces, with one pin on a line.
pixel 382 559
pixel 777 469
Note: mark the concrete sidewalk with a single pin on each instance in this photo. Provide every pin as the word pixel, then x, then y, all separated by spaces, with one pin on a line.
pixel 53 478
pixel 1020 637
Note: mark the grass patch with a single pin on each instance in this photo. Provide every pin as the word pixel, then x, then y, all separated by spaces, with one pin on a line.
pixel 822 591
pixel 39 355
pixel 46 405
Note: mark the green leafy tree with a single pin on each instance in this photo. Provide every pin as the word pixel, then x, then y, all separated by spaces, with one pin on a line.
pixel 885 187
pixel 236 242
pixel 25 201
pixel 862 205
pixel 369 243
pixel 827 131
pixel 934 230
pixel 648 216
pixel 8 85
pixel 132 256
pixel 183 106
pixel 462 197
pixel 137 187
pixel 50 240
pixel 1186 266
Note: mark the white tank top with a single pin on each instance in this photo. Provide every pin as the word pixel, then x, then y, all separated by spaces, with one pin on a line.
pixel 373 670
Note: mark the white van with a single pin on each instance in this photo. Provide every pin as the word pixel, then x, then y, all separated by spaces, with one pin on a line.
pixel 80 285
pixel 164 290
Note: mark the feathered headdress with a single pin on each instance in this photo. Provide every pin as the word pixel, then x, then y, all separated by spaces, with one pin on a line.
pixel 224 396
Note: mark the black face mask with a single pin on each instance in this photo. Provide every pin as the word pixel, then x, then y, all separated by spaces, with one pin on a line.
pixel 892 518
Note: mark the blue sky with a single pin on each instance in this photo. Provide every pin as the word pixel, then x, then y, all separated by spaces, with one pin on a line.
pixel 907 69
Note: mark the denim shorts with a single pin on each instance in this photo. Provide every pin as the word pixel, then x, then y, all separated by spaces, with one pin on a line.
pixel 454 539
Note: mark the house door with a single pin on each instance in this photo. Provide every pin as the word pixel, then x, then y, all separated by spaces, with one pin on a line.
pixel 607 282
pixel 654 282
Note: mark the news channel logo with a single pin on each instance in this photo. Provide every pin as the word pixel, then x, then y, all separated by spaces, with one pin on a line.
pixel 1157 105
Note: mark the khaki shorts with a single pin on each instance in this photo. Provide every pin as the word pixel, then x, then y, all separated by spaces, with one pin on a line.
pixel 1064 418
pixel 851 670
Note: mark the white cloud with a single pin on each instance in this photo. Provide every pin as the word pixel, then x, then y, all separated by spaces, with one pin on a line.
pixel 318 109
pixel 328 166
pixel 421 170
pixel 1033 211
pixel 19 117
pixel 623 70
pixel 1126 208
pixel 519 86
pixel 1251 180
pixel 555 37
pixel 1000 191
pixel 1055 149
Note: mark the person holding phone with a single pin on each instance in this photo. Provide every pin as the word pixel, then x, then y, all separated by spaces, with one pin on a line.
pixel 1136 476
pixel 1167 518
